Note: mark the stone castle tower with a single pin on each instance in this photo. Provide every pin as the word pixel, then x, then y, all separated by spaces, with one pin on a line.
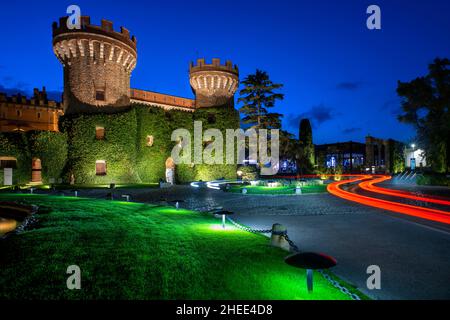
pixel 97 62
pixel 214 84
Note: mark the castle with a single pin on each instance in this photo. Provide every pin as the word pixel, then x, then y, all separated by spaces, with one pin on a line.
pixel 104 131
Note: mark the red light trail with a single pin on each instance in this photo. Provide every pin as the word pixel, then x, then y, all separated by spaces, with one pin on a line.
pixel 424 213
pixel 369 186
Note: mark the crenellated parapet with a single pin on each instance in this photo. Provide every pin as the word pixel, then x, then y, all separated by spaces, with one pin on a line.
pixel 97 62
pixel 214 84
pixel 97 42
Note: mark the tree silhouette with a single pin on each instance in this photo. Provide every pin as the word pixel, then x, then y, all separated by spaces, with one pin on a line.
pixel 426 104
pixel 258 96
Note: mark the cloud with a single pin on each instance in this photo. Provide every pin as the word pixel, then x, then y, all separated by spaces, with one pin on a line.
pixel 351 130
pixel 317 114
pixel 349 85
pixel 13 90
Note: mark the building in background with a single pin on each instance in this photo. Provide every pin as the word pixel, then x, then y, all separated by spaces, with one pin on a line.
pixel 374 156
pixel 17 113
pixel 414 158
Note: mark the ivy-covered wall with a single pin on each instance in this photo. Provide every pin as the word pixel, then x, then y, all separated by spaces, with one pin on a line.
pixel 49 147
pixel 125 150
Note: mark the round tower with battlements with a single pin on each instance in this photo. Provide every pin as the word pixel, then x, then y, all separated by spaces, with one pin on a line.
pixel 97 62
pixel 214 84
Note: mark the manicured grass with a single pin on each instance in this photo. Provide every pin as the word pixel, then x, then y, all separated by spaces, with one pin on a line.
pixel 139 251
pixel 87 186
pixel 277 190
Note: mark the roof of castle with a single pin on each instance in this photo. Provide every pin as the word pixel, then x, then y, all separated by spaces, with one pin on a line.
pixel 161 100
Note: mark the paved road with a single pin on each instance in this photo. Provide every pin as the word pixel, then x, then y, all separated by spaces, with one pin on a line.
pixel 414 256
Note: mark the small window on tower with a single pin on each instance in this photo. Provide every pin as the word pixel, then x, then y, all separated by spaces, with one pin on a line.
pixel 100 168
pixel 38 115
pixel 19 113
pixel 211 118
pixel 100 95
pixel 99 133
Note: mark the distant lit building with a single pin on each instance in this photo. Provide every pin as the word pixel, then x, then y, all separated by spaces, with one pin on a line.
pixel 414 158
pixel 349 155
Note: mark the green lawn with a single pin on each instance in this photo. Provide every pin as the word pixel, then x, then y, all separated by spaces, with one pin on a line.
pixel 139 251
pixel 277 190
pixel 87 186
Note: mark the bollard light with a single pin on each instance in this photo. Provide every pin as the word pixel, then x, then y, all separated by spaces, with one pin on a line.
pixel 310 261
pixel 298 190
pixel 223 213
pixel 31 190
pixel 244 191
pixel 177 203
pixel 76 193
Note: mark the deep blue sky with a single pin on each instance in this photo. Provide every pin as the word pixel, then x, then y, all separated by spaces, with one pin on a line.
pixel 334 70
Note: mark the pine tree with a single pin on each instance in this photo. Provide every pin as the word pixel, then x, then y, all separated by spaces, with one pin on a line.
pixel 258 96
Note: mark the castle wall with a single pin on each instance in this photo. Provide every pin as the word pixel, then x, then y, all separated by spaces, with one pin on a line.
pixel 125 149
pixel 17 113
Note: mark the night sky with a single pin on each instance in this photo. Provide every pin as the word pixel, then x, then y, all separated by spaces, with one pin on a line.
pixel 334 70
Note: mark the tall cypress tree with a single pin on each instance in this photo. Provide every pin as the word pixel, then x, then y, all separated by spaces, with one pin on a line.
pixel 306 160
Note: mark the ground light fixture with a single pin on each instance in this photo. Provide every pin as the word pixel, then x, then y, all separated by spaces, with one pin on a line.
pixel 310 261
pixel 177 203
pixel 127 197
pixel 224 214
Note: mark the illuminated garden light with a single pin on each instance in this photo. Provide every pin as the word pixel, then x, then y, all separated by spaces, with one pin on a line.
pixel 223 213
pixel 177 203
pixel 272 184
pixel 76 193
pixel 127 197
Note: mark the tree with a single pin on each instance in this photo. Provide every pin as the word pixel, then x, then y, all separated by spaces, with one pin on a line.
pixel 258 96
pixel 426 104
pixel 306 147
